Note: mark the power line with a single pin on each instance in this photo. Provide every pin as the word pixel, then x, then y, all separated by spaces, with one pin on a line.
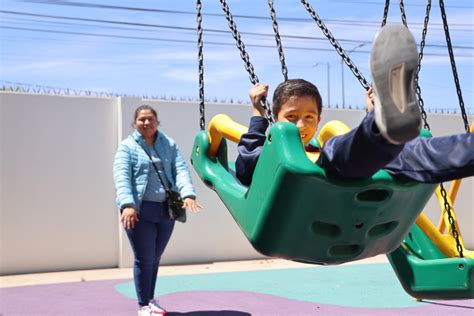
pixel 183 41
pixel 253 17
pixel 167 26
pixel 395 4
pixel 193 29
pixel 160 39
pixel 36 22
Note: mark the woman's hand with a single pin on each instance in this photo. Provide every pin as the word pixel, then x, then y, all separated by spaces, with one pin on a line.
pixel 369 100
pixel 192 205
pixel 129 218
pixel 256 93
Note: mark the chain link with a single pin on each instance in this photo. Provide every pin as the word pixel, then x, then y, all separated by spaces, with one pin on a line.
pixel 447 207
pixel 284 70
pixel 421 103
pixel 202 121
pixel 402 13
pixel 245 57
pixel 453 65
pixel 451 221
pixel 385 12
pixel 336 45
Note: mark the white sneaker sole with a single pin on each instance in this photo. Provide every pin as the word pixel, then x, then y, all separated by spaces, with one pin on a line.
pixel 393 63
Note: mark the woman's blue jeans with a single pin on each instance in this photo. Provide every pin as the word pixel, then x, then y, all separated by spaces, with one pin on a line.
pixel 148 240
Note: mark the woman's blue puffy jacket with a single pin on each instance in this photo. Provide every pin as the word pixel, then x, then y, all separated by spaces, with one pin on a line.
pixel 132 167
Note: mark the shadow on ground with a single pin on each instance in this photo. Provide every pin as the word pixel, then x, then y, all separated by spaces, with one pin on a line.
pixel 448 303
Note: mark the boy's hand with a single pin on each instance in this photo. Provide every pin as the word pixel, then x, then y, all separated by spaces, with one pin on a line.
pixel 256 93
pixel 369 100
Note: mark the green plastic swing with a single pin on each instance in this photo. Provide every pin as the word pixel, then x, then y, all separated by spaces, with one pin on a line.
pixel 423 264
pixel 425 272
pixel 293 210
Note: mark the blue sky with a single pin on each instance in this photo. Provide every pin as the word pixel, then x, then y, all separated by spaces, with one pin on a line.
pixel 150 62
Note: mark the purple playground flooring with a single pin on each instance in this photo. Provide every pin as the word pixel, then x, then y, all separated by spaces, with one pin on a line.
pixel 101 298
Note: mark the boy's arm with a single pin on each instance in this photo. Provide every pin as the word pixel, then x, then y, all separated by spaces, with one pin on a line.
pixel 249 149
pixel 251 143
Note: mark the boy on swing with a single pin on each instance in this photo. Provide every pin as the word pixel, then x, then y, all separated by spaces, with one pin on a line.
pixel 387 138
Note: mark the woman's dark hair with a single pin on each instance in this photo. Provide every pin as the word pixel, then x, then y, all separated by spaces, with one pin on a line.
pixel 295 88
pixel 144 107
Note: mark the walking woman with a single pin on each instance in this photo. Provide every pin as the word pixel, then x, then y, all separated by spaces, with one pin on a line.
pixel 147 165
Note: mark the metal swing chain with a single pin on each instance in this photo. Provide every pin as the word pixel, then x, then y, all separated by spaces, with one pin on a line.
pixel 402 13
pixel 466 124
pixel 202 121
pixel 385 12
pixel 453 65
pixel 284 69
pixel 451 220
pixel 245 57
pixel 336 45
pixel 421 103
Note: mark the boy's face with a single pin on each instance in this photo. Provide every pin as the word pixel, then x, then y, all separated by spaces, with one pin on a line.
pixel 303 112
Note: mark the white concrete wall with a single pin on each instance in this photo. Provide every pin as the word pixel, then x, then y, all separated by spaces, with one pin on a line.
pixel 57 208
pixel 57 190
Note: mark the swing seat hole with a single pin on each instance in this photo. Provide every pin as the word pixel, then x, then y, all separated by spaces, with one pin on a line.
pixel 373 195
pixel 359 225
pixel 197 150
pixel 382 229
pixel 270 138
pixel 344 250
pixel 326 229
pixel 461 266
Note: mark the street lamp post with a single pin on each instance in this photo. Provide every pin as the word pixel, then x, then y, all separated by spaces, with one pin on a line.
pixel 342 73
pixel 329 87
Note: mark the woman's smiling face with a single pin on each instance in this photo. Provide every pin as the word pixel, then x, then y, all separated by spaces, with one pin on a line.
pixel 146 123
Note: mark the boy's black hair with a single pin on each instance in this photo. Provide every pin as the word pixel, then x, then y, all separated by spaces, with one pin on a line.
pixel 297 88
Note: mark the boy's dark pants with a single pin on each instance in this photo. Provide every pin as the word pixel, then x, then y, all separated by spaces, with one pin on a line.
pixel 363 151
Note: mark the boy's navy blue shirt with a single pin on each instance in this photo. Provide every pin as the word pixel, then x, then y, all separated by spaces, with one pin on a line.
pixel 249 148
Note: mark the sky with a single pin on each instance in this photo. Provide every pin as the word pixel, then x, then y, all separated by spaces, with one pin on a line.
pixel 148 48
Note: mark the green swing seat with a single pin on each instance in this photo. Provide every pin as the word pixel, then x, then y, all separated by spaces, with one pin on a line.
pixel 426 273
pixel 293 210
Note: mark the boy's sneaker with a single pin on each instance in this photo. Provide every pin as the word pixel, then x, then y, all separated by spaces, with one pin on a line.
pixel 156 309
pixel 145 311
pixel 393 63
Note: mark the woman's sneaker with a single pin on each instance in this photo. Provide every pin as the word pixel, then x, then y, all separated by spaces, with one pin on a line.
pixel 393 64
pixel 145 311
pixel 156 309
